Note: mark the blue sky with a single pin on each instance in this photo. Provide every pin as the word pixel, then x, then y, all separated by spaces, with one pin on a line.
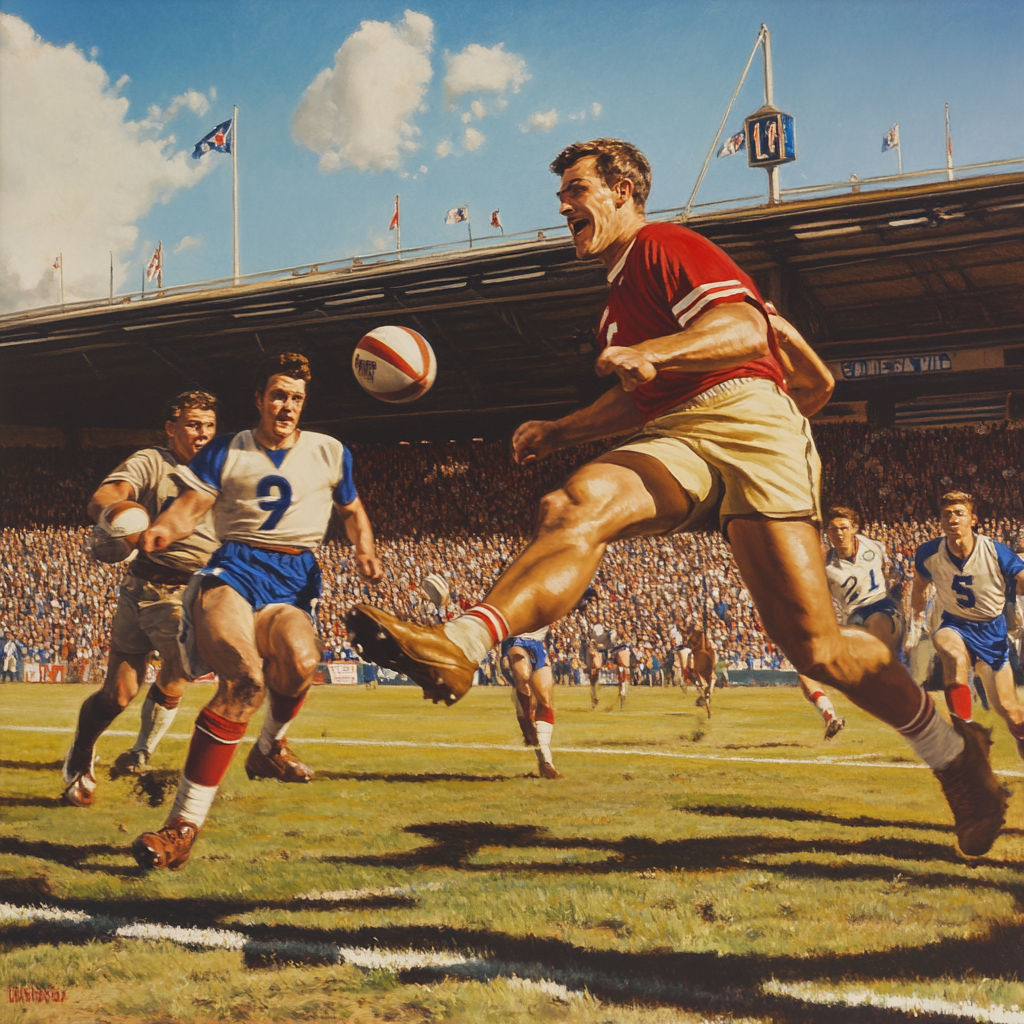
pixel 659 74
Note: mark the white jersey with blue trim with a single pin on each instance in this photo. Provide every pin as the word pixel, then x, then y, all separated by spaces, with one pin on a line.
pixel 975 588
pixel 538 634
pixel 272 497
pixel 859 581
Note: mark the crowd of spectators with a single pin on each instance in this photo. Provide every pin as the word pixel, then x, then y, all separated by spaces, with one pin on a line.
pixel 464 510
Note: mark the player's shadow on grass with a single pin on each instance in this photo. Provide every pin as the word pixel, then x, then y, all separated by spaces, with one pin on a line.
pixel 454 844
pixel 69 855
pixel 800 814
pixel 332 776
pixel 32 766
pixel 31 801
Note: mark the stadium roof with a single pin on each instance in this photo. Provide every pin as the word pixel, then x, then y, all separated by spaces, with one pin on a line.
pixel 934 273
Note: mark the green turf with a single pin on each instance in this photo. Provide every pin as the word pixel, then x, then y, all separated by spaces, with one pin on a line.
pixel 689 852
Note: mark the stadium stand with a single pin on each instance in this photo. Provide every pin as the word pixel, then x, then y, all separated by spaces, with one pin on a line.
pixel 462 509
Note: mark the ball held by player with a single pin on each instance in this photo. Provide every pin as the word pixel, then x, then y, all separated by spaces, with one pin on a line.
pixel 116 534
pixel 394 364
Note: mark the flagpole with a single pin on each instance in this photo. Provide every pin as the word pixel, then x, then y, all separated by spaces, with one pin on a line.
pixel 62 279
pixel 111 277
pixel 949 149
pixel 469 225
pixel 398 228
pixel 899 149
pixel 234 187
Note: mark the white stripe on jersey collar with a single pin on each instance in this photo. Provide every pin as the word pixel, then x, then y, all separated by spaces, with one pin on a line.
pixel 617 269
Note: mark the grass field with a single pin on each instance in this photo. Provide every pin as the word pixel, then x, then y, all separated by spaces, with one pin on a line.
pixel 737 870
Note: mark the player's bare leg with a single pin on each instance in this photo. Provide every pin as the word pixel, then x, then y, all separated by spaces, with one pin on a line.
pixel 781 564
pixel 541 684
pixel 522 694
pixel 595 662
pixel 226 640
pixel 1002 694
pixel 286 638
pixel 622 672
pixel 158 712
pixel 956 671
pixel 98 711
pixel 813 692
pixel 621 494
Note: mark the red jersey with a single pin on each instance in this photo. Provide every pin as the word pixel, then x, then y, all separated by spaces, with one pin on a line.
pixel 668 277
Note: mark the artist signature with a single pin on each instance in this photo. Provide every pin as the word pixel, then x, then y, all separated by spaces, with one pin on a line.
pixel 31 994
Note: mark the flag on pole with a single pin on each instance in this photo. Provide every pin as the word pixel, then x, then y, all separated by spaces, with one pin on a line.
pixel 457 216
pixel 56 263
pixel 220 139
pixel 394 217
pixel 496 220
pixel 891 139
pixel 156 262
pixel 733 144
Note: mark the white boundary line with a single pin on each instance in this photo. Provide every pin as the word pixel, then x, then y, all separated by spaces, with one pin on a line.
pixel 823 760
pixel 564 985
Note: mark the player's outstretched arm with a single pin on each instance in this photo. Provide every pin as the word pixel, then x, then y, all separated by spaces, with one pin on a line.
pixel 107 494
pixel 612 415
pixel 360 532
pixel 177 521
pixel 918 605
pixel 721 338
pixel 809 380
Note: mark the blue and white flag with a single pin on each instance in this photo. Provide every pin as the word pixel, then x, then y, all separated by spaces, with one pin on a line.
pixel 891 139
pixel 457 216
pixel 220 140
pixel 733 144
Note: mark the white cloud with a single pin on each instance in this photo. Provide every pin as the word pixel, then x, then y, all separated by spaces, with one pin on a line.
pixel 195 101
pixel 477 109
pixel 444 148
pixel 467 117
pixel 359 113
pixel 595 109
pixel 473 139
pixel 423 168
pixel 188 242
pixel 541 122
pixel 79 187
pixel 479 69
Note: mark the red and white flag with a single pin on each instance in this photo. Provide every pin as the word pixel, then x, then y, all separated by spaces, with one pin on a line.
pixel 495 220
pixel 56 263
pixel 394 217
pixel 155 263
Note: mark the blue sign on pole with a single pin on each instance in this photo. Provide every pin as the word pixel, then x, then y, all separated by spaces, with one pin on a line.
pixel 770 139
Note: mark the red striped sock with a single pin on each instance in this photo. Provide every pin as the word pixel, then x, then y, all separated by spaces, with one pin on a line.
pixel 284 709
pixel 213 745
pixel 495 622
pixel 545 713
pixel 958 700
pixel 157 696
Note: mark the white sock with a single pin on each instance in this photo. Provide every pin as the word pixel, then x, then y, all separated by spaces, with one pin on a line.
pixel 476 632
pixel 544 732
pixel 156 720
pixel 933 739
pixel 271 732
pixel 824 705
pixel 192 802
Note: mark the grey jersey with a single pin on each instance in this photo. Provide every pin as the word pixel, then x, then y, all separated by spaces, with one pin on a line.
pixel 150 473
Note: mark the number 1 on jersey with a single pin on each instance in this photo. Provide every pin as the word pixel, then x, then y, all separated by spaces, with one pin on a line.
pixel 275 506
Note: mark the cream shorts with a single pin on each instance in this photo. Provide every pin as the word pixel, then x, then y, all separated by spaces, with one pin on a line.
pixel 148 617
pixel 740 448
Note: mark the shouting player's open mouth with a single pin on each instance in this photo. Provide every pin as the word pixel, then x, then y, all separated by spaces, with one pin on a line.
pixel 578 227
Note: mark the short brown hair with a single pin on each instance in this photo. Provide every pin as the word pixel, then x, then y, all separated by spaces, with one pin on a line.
pixel 615 160
pixel 956 498
pixel 285 364
pixel 175 406
pixel 842 512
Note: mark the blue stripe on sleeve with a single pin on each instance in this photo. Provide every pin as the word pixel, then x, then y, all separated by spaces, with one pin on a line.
pixel 208 463
pixel 923 553
pixel 345 490
pixel 1009 563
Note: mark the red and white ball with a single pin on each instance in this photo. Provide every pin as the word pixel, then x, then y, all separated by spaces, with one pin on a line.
pixel 394 364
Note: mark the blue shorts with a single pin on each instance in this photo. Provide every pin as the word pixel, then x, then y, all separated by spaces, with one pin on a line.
pixel 267 577
pixel 985 641
pixel 534 648
pixel 887 606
